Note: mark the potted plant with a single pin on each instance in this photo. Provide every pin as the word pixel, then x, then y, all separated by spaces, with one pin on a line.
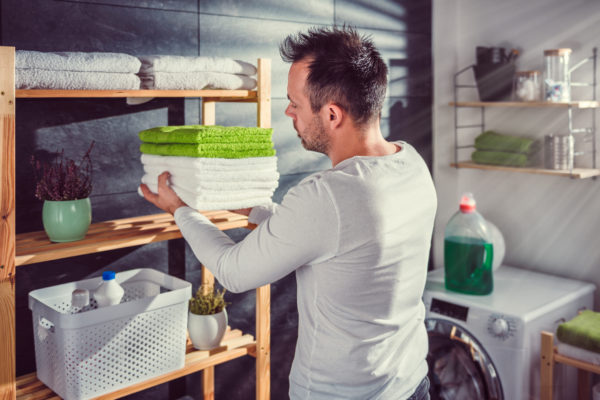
pixel 64 186
pixel 207 317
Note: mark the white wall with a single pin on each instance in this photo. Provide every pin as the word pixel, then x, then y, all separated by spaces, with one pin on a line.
pixel 550 224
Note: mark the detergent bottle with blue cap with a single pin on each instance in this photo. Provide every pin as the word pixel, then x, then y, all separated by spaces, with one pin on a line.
pixel 109 292
pixel 468 251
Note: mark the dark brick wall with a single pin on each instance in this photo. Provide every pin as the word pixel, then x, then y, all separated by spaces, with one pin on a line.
pixel 240 29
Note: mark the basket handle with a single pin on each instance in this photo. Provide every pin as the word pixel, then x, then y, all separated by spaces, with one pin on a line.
pixel 44 328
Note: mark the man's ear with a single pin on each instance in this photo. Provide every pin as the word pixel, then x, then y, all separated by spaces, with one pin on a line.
pixel 335 115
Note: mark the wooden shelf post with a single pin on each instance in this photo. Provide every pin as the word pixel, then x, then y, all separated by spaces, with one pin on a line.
pixel 7 223
pixel 263 294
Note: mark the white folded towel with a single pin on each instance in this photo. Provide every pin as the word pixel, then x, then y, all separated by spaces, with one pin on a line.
pixel 212 184
pixel 196 81
pixel 77 61
pixel 207 204
pixel 75 80
pixel 213 194
pixel 168 63
pixel 215 164
pixel 261 176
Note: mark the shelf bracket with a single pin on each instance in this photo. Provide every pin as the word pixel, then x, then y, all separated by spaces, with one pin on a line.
pixel 456 125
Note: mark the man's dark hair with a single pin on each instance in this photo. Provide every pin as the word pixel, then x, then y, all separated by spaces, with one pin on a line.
pixel 345 68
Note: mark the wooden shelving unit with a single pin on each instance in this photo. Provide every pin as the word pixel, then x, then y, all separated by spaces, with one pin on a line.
pixel 549 356
pixel 34 247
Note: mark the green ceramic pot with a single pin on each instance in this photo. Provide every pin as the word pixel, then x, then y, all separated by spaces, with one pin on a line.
pixel 68 220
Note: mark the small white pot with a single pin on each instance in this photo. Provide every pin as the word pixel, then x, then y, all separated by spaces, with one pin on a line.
pixel 207 331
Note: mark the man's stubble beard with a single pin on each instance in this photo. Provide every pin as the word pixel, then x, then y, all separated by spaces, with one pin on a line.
pixel 318 140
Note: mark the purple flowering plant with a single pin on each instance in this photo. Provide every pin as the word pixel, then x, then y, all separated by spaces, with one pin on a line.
pixel 63 179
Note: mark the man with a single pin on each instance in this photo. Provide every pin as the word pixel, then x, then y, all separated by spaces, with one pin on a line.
pixel 356 235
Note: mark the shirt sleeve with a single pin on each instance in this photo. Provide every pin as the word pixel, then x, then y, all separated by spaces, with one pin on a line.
pixel 303 229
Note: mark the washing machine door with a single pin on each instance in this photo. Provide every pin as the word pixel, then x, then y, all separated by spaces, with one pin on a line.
pixel 459 367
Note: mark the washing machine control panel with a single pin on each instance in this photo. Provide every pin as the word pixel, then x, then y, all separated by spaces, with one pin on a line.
pixel 501 327
pixel 449 309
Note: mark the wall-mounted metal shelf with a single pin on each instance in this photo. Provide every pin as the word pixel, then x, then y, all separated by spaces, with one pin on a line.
pixel 575 173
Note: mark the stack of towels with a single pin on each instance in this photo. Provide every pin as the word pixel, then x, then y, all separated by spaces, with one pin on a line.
pixel 166 72
pixel 579 338
pixel 212 167
pixel 76 70
pixel 506 150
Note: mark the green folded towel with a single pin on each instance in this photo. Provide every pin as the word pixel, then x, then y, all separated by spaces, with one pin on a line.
pixel 500 158
pixel 582 331
pixel 493 141
pixel 206 134
pixel 211 150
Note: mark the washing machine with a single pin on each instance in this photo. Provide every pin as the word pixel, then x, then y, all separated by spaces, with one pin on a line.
pixel 488 347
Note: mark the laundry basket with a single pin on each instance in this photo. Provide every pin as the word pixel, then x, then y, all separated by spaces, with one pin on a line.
pixel 99 350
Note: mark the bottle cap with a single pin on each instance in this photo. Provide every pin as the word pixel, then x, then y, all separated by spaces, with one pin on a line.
pixel 80 298
pixel 108 275
pixel 467 203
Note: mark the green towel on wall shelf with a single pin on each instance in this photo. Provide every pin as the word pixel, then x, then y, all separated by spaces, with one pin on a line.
pixel 493 141
pixel 500 158
pixel 211 150
pixel 206 134
pixel 583 331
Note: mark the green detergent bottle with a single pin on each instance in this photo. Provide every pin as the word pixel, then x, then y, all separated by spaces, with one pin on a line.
pixel 468 251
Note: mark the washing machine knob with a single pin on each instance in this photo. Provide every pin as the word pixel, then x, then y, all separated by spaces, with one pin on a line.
pixel 500 327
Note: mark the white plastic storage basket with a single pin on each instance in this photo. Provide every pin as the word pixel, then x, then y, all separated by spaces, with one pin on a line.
pixel 100 350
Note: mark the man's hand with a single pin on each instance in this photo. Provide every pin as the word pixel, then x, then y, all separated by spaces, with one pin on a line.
pixel 166 199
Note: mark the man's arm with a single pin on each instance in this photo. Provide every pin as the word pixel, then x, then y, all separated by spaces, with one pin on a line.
pixel 303 229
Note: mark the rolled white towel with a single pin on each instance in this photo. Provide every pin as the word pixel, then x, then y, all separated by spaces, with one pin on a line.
pixel 207 204
pixel 196 81
pixel 169 63
pixel 75 80
pixel 217 164
pixel 77 61
pixel 258 176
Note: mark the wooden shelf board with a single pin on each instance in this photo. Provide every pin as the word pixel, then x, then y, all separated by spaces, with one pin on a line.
pixel 235 344
pixel 522 104
pixel 578 173
pixel 224 95
pixel 34 247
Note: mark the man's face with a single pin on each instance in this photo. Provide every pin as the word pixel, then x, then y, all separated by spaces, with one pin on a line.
pixel 309 125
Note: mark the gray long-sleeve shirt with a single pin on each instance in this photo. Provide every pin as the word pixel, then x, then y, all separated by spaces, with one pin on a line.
pixel 358 237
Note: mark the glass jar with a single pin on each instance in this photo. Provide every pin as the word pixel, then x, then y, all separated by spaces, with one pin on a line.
pixel 557 79
pixel 528 86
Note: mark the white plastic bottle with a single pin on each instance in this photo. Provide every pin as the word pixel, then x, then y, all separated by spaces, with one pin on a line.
pixel 109 292
pixel 80 298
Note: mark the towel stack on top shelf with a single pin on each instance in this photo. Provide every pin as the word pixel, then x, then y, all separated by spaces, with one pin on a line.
pixel 498 149
pixel 579 337
pixel 166 72
pixel 76 70
pixel 212 167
